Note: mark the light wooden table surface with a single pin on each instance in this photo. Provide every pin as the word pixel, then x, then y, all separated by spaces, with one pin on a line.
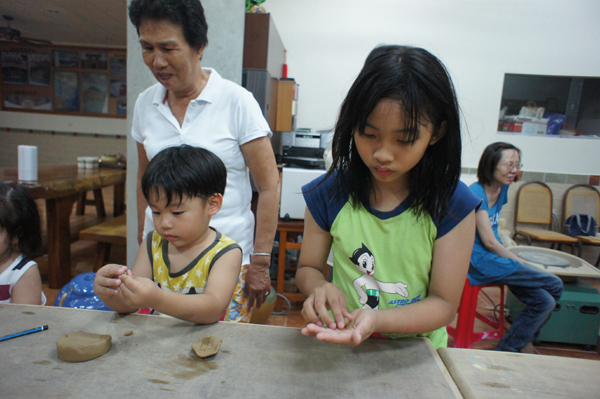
pixel 482 374
pixel 254 361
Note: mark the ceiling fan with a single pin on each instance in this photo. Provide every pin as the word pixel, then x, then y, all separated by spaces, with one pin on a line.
pixel 14 35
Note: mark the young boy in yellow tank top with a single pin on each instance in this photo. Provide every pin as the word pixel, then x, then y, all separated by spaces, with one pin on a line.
pixel 185 268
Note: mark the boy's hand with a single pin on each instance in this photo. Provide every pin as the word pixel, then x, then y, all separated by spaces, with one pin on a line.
pixel 324 298
pixel 359 329
pixel 139 292
pixel 107 281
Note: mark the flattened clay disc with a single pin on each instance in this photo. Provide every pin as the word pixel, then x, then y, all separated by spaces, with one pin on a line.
pixel 81 346
pixel 207 346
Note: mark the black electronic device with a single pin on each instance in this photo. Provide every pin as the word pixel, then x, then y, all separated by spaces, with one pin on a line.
pixel 304 157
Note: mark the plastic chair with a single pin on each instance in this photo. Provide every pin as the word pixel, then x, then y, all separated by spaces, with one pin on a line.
pixel 463 333
pixel 582 199
pixel 534 206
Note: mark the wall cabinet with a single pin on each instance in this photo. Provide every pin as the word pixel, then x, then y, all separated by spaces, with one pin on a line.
pixel 263 48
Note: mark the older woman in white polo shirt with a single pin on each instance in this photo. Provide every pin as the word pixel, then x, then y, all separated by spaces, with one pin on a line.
pixel 194 105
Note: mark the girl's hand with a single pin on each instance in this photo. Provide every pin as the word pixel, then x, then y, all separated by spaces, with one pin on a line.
pixel 139 292
pixel 324 298
pixel 359 329
pixel 107 280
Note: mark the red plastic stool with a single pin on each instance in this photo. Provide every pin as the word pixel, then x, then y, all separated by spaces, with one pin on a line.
pixel 463 334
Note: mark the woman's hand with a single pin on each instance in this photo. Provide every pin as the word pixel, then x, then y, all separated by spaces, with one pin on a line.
pixel 139 292
pixel 260 159
pixel 324 298
pixel 258 280
pixel 360 328
pixel 107 280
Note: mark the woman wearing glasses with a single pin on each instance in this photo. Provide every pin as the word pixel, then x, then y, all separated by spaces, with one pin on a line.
pixel 492 262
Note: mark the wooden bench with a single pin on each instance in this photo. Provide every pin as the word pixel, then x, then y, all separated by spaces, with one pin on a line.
pixel 113 231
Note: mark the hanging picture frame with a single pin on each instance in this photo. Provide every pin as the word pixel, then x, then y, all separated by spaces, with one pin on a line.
pixel 59 79
pixel 65 58
pixel 14 68
pixel 93 60
pixel 39 69
pixel 66 91
pixel 94 92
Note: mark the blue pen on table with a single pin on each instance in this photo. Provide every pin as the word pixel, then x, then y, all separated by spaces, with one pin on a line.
pixel 33 330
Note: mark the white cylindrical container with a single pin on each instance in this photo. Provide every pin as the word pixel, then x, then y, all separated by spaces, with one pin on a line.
pixel 81 162
pixel 28 163
pixel 91 162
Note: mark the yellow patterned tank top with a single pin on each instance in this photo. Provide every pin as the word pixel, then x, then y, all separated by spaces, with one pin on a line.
pixel 192 278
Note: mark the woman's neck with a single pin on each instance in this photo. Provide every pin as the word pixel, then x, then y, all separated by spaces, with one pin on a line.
pixel 493 187
pixel 492 191
pixel 193 90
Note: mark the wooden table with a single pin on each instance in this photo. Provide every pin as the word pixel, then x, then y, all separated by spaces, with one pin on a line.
pixel 255 361
pixel 60 186
pixel 502 375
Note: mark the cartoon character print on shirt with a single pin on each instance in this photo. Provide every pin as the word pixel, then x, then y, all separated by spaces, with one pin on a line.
pixel 367 287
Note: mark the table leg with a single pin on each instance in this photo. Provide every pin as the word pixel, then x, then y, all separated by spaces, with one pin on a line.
pixel 58 213
pixel 119 199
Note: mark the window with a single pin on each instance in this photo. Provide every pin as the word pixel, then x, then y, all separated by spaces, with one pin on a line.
pixel 550 106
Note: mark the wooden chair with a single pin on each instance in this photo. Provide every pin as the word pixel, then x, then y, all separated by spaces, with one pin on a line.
pixel 113 231
pixel 534 206
pixel 582 199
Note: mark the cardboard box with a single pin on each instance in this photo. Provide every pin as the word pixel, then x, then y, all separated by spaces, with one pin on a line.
pixel 524 125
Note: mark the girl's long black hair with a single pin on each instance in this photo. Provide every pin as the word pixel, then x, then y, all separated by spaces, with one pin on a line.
pixel 20 217
pixel 421 84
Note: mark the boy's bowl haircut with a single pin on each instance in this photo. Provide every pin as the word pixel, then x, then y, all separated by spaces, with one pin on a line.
pixel 184 171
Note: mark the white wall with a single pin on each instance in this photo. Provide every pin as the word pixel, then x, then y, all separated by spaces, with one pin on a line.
pixel 63 123
pixel 478 41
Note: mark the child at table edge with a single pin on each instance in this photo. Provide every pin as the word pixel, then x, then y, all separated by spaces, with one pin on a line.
pixel 400 222
pixel 20 237
pixel 185 268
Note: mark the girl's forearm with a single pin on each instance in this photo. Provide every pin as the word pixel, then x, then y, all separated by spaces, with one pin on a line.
pixel 424 316
pixel 308 279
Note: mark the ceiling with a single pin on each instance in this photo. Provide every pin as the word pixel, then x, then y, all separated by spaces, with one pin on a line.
pixel 72 22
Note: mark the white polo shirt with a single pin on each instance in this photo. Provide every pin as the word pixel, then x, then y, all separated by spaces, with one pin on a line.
pixel 222 118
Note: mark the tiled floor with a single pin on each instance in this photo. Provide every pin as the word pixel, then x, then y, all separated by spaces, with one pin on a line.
pixel 82 255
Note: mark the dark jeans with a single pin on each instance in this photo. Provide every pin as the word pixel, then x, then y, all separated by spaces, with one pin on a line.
pixel 539 291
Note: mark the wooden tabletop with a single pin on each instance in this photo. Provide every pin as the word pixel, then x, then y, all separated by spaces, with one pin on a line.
pixel 484 374
pixel 254 361
pixel 61 180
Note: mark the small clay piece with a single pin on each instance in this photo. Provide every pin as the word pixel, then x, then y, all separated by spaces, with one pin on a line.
pixel 207 346
pixel 128 333
pixel 81 346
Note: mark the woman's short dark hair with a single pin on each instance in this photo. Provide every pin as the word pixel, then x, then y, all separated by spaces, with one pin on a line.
pixel 188 14
pixel 20 217
pixel 489 161
pixel 184 171
pixel 421 84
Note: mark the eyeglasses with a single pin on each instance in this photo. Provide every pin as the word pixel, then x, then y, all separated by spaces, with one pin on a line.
pixel 510 166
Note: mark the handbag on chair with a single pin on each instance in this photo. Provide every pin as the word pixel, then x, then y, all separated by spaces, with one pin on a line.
pixel 580 225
